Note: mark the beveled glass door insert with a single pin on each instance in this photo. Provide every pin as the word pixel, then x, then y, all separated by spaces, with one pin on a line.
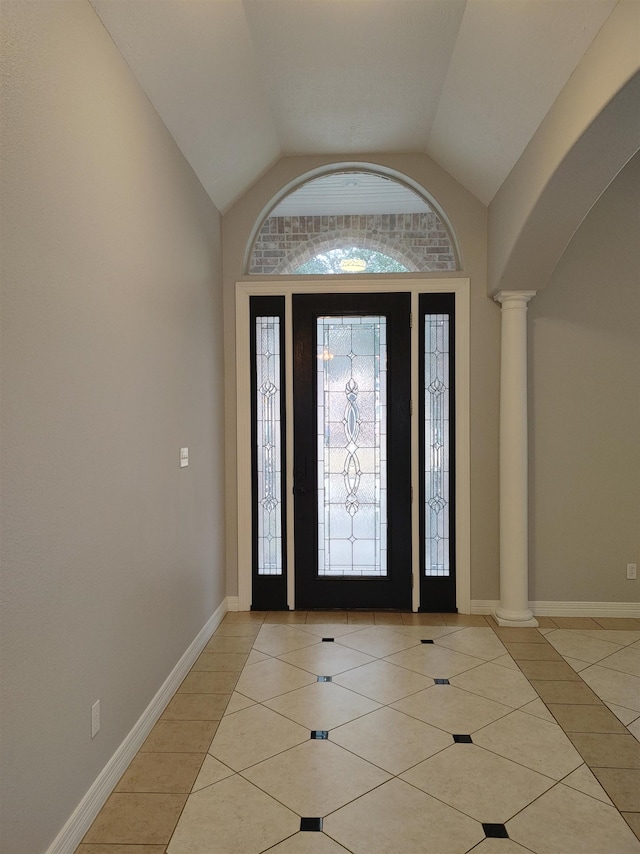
pixel 268 453
pixel 352 450
pixel 437 452
pixel 352 446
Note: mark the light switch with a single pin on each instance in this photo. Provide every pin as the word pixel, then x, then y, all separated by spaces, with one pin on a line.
pixel 184 457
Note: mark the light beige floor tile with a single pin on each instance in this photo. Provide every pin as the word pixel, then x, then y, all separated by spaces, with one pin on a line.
pixel 577 665
pixel 636 645
pixel 270 678
pixel 326 659
pixel 322 705
pixel 390 739
pixel 308 843
pixel 619 623
pixel 634 728
pixel 180 737
pixel 551 670
pixel 361 618
pixel 586 718
pixel 196 707
pixel 229 644
pixel 633 819
pixel 565 692
pixel 211 772
pixel 330 630
pixel 519 635
pixel 607 750
pixel 315 778
pixel 470 620
pixel 161 772
pixel 538 709
pixel 203 682
pixel 233 815
pixel 622 785
pixel 238 630
pixel 238 702
pixel 422 620
pixel 581 646
pixel 383 682
pixel 378 641
pixel 276 640
pixel 244 617
pixel 567 821
pixel 247 737
pixel 119 849
pixel 500 846
pixel 426 632
pixel 545 622
pixel 496 683
pixel 220 661
pixel 398 818
pixel 478 642
pixel 452 709
pixel 626 716
pixel 383 618
pixel 621 689
pixel 480 784
pixel 327 617
pixel 617 637
pixel 626 661
pixel 506 661
pixel 584 781
pixel 576 623
pixel 136 819
pixel 286 617
pixel 255 657
pixel 532 652
pixel 534 743
pixel 434 661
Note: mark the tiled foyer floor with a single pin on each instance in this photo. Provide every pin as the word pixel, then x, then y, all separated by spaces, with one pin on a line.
pixel 339 721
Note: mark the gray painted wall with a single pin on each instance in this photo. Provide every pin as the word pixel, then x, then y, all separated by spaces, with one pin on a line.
pixel 584 388
pixel 112 556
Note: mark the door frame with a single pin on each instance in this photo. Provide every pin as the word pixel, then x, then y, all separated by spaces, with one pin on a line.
pixel 244 291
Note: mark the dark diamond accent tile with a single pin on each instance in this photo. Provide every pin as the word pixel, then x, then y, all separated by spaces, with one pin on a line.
pixel 328 640
pixel 325 678
pixel 495 831
pixel 426 641
pixel 463 739
pixel 441 681
pixel 320 734
pixel 311 824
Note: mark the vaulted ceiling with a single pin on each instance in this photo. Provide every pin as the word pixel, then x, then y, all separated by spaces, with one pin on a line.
pixel 240 83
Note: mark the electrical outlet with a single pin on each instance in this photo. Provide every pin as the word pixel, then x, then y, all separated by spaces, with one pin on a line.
pixel 95 719
pixel 184 457
pixel 632 571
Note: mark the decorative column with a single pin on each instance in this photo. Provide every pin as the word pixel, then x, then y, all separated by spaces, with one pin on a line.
pixel 514 558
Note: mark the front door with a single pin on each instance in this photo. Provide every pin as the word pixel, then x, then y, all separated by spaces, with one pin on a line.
pixel 352 440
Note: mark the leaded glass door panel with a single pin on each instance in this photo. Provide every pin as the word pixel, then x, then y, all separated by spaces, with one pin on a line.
pixel 352 475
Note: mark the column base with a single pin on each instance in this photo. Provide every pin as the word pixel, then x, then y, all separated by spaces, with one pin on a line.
pixel 514 618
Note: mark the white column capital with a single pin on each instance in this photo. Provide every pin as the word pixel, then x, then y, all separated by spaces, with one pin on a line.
pixel 514 299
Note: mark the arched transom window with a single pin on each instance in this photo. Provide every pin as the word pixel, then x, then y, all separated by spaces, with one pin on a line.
pixel 353 222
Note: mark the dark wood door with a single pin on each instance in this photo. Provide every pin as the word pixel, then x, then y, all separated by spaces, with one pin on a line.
pixel 352 440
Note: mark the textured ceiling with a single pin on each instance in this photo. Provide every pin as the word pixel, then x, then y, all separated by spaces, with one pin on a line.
pixel 240 83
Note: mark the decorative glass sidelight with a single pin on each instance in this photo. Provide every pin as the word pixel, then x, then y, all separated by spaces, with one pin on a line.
pixel 269 450
pixel 352 446
pixel 436 444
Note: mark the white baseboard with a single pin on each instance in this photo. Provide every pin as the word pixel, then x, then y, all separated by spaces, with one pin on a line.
pixel 233 603
pixel 82 817
pixel 566 609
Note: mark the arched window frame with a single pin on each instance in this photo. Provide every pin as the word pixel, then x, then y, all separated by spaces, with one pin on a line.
pixel 306 252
